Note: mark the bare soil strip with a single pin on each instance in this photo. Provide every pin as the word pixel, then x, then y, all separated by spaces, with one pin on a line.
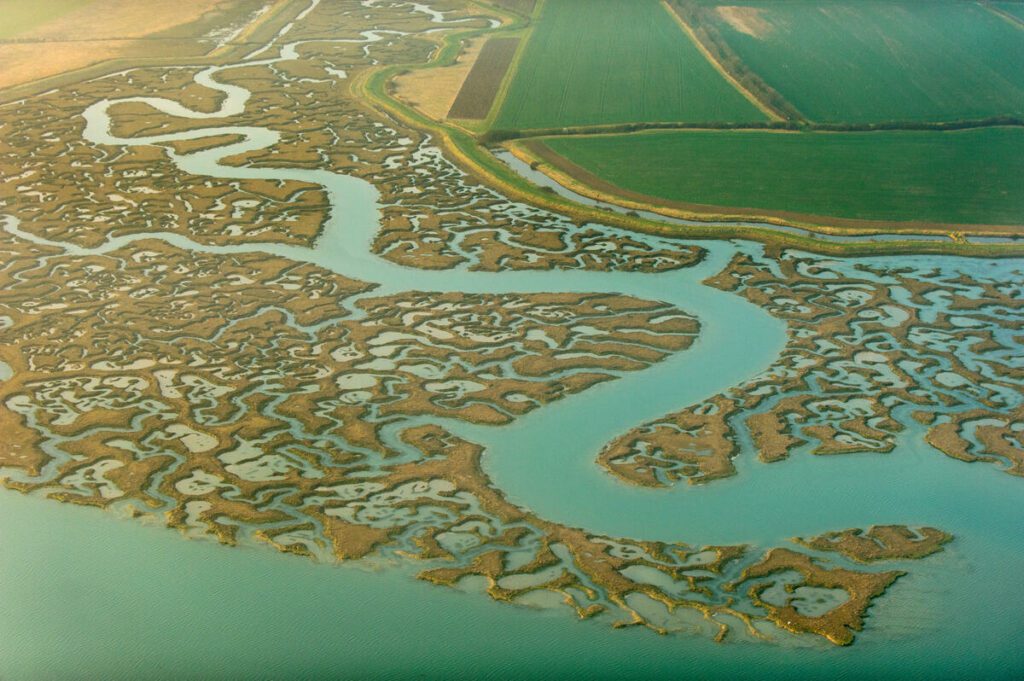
pixel 728 64
pixel 484 81
pixel 433 91
pixel 748 20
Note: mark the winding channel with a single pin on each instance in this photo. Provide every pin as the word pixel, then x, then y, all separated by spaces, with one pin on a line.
pixel 545 460
pixel 721 357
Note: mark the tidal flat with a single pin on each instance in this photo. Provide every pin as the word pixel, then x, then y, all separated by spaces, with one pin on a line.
pixel 354 351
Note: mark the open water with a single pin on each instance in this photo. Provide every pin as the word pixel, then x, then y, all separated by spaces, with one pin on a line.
pixel 87 595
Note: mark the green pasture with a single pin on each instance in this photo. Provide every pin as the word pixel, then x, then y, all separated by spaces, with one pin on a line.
pixel 968 176
pixel 870 61
pixel 21 16
pixel 592 62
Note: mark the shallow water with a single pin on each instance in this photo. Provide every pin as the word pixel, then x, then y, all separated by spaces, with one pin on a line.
pixel 109 598
pixel 79 585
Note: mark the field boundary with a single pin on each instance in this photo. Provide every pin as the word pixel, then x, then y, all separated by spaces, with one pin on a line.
pixel 497 53
pixel 998 11
pixel 748 94
pixel 499 135
pixel 581 181
pixel 465 150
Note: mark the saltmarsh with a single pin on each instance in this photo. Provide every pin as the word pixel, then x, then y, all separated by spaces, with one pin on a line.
pixel 608 61
pixel 968 176
pixel 868 61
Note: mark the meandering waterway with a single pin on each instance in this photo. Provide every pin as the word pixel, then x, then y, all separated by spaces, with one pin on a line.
pixel 545 461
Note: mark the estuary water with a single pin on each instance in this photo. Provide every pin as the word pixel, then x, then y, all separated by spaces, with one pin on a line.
pixel 88 595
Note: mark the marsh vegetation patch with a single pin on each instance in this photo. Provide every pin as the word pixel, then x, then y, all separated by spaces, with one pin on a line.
pixel 48 38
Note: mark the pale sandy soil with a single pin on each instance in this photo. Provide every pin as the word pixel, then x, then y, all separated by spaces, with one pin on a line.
pixel 749 20
pixel 433 91
pixel 98 31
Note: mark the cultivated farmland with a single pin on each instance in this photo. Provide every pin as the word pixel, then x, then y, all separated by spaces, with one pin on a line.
pixel 867 61
pixel 606 62
pixel 484 80
pixel 1014 9
pixel 967 177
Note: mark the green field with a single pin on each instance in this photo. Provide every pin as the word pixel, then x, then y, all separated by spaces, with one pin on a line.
pixel 20 17
pixel 969 177
pixel 607 61
pixel 1013 8
pixel 869 61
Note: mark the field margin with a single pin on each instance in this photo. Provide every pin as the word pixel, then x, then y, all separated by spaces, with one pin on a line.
pixel 773 114
pixel 574 177
pixel 466 151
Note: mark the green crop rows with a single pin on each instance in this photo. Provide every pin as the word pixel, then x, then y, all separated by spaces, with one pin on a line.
pixel 869 61
pixel 966 177
pixel 608 61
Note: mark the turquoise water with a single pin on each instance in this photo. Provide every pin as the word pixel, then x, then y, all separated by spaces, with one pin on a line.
pixel 87 595
pixel 92 596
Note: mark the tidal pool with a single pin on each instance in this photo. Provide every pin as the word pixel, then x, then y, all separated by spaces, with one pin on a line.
pixel 196 610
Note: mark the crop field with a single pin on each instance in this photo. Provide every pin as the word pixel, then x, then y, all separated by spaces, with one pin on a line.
pixel 869 61
pixel 967 177
pixel 1014 9
pixel 484 80
pixel 433 90
pixel 607 62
